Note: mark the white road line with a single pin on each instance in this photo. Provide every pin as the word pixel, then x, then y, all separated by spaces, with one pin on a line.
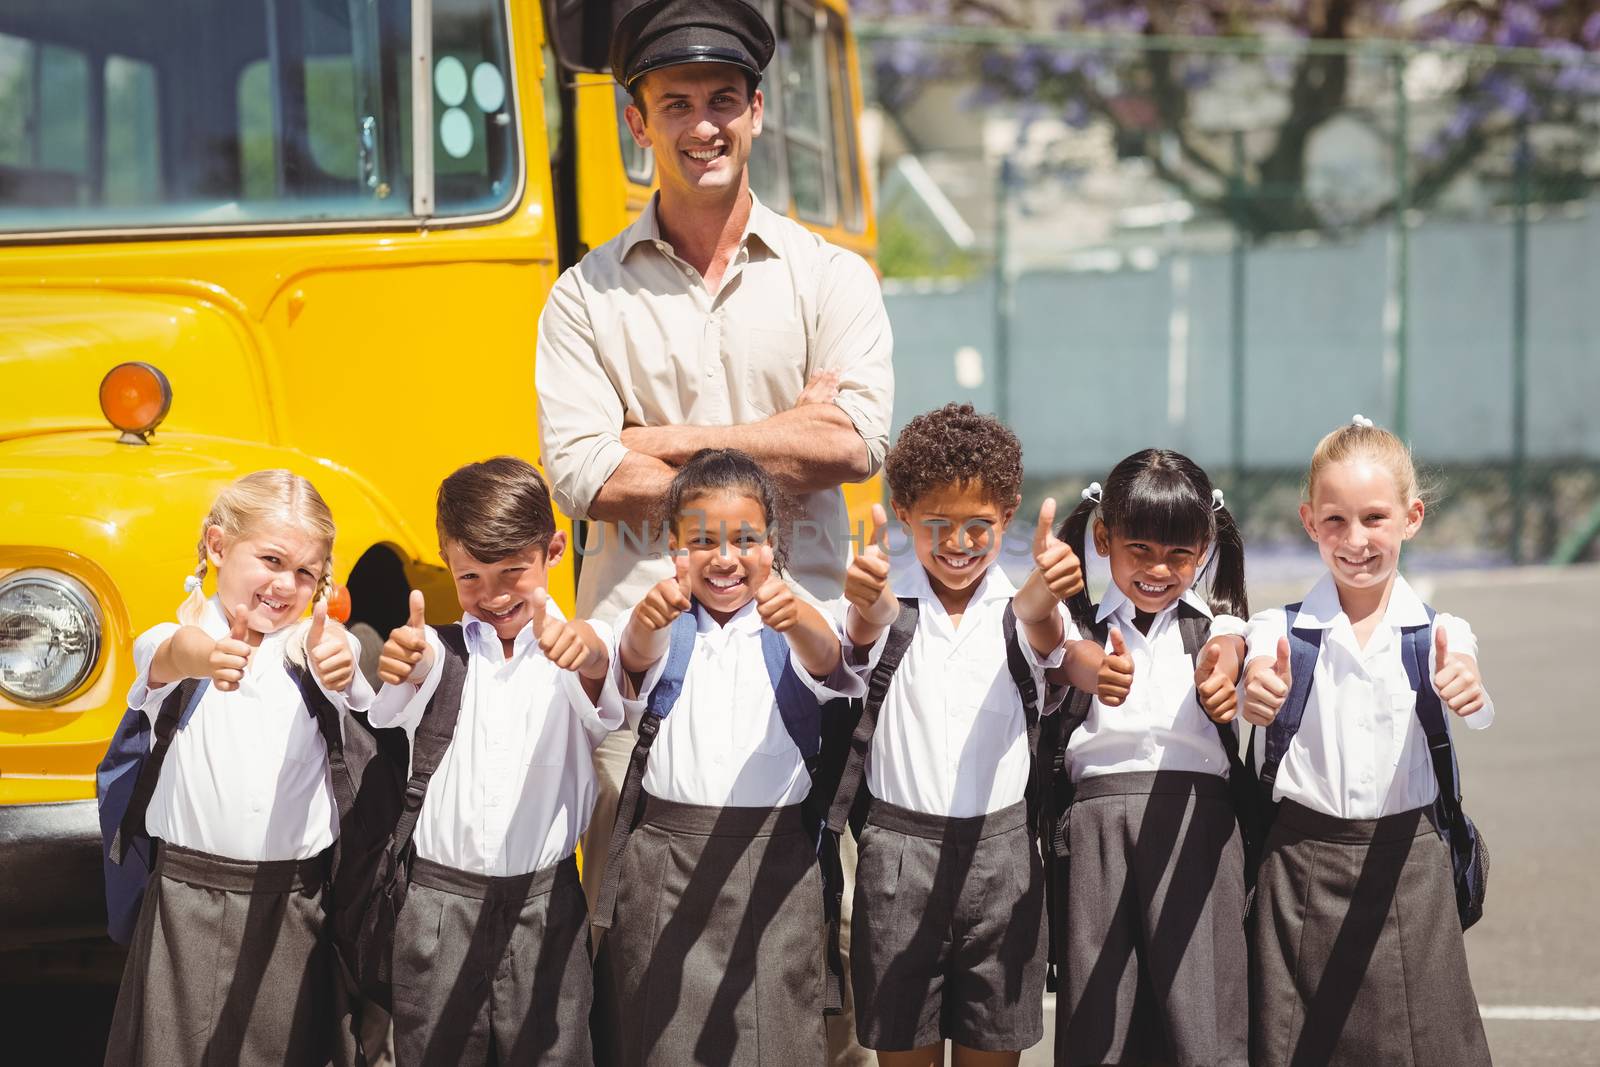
pixel 1540 1013
pixel 1532 1013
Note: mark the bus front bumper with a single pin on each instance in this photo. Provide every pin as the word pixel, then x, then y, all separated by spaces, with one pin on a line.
pixel 52 887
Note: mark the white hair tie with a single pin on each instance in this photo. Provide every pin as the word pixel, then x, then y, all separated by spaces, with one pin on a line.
pixel 1361 420
pixel 1093 492
pixel 1216 500
pixel 190 584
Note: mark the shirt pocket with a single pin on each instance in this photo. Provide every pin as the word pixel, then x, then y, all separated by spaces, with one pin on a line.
pixel 774 367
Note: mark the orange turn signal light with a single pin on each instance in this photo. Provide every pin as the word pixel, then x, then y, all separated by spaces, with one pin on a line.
pixel 135 397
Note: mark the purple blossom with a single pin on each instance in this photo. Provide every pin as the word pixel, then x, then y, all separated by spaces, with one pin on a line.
pixel 1519 28
pixel 1590 34
pixel 1075 114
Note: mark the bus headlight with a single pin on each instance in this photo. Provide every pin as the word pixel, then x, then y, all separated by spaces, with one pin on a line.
pixel 49 635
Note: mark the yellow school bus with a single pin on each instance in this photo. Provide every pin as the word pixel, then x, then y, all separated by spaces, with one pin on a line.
pixel 225 247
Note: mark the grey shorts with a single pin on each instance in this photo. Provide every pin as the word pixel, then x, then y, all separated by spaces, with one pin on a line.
pixel 948 938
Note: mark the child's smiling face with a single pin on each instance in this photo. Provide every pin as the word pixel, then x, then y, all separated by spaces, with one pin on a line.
pixel 1150 574
pixel 1359 520
pixel 272 571
pixel 956 532
pixel 501 593
pixel 722 533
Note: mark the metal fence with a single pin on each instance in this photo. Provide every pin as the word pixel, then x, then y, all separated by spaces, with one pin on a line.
pixel 1230 246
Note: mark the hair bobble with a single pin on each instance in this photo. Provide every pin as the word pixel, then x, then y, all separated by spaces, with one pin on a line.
pixel 1093 492
pixel 190 584
pixel 1216 500
pixel 1362 421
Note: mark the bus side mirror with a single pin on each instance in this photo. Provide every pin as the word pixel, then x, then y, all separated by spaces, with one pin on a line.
pixel 580 34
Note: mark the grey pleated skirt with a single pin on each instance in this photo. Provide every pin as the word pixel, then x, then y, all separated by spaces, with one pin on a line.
pixel 1356 948
pixel 1150 924
pixel 492 969
pixel 948 933
pixel 230 964
pixel 716 956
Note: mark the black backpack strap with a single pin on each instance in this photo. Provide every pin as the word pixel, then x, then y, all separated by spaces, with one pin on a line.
pixel 166 728
pixel 901 631
pixel 1195 627
pixel 326 716
pixel 1028 690
pixel 630 801
pixel 434 733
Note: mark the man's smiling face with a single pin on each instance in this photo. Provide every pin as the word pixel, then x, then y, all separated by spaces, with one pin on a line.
pixel 699 119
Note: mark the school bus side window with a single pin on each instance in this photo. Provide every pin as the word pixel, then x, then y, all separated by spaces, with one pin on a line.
pixel 807 116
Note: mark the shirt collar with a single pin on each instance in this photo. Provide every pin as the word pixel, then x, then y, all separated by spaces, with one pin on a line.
pixel 214 621
pixel 481 633
pixel 1116 602
pixel 646 229
pixel 746 620
pixel 1321 608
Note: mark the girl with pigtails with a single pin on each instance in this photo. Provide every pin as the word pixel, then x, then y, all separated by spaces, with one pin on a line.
pixel 1150 865
pixel 229 961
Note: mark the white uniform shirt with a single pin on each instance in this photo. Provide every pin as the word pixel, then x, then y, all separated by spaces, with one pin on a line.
pixel 951 739
pixel 1160 726
pixel 1360 752
pixel 516 786
pixel 247 774
pixel 724 743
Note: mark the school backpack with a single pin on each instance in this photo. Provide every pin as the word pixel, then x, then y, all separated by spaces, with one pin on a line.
pixel 1469 856
pixel 379 803
pixel 810 725
pixel 124 782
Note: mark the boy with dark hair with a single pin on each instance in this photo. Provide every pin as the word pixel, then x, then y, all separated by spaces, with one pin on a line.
pixel 491 949
pixel 948 934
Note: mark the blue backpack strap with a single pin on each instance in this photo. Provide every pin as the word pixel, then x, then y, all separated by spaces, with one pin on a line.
pixel 178 705
pixel 630 802
pixel 1304 645
pixel 802 715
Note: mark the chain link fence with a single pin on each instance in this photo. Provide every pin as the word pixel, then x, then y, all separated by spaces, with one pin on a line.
pixel 1230 246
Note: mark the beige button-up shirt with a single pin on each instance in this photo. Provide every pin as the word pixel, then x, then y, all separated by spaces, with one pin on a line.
pixel 630 336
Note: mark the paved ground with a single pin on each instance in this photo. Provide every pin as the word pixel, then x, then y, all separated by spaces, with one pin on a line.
pixel 1532 785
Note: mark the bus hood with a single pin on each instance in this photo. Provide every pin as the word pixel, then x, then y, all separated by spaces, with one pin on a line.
pixel 56 344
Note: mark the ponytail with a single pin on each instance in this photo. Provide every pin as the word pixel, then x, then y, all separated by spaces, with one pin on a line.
pixel 1228 595
pixel 1074 530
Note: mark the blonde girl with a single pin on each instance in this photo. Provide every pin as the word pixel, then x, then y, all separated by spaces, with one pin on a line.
pixel 229 961
pixel 1355 939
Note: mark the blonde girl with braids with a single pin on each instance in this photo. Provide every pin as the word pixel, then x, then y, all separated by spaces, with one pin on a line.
pixel 230 962
pixel 1355 930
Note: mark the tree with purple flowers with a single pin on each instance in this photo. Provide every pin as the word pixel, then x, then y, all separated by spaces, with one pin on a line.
pixel 1499 69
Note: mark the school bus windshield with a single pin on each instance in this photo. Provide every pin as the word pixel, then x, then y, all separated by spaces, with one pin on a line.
pixel 121 114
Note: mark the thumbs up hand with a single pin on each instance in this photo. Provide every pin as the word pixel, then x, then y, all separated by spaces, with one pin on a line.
pixel 775 601
pixel 407 646
pixel 1266 686
pixel 1216 678
pixel 866 581
pixel 667 599
pixel 230 656
pixel 561 640
pixel 1455 677
pixel 1116 672
pixel 1054 558
pixel 328 651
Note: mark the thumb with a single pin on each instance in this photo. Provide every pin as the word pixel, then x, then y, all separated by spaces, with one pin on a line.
pixel 540 601
pixel 680 563
pixel 319 619
pixel 1441 646
pixel 760 569
pixel 1281 668
pixel 1208 661
pixel 880 520
pixel 1043 530
pixel 237 629
pixel 417 605
pixel 1119 647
